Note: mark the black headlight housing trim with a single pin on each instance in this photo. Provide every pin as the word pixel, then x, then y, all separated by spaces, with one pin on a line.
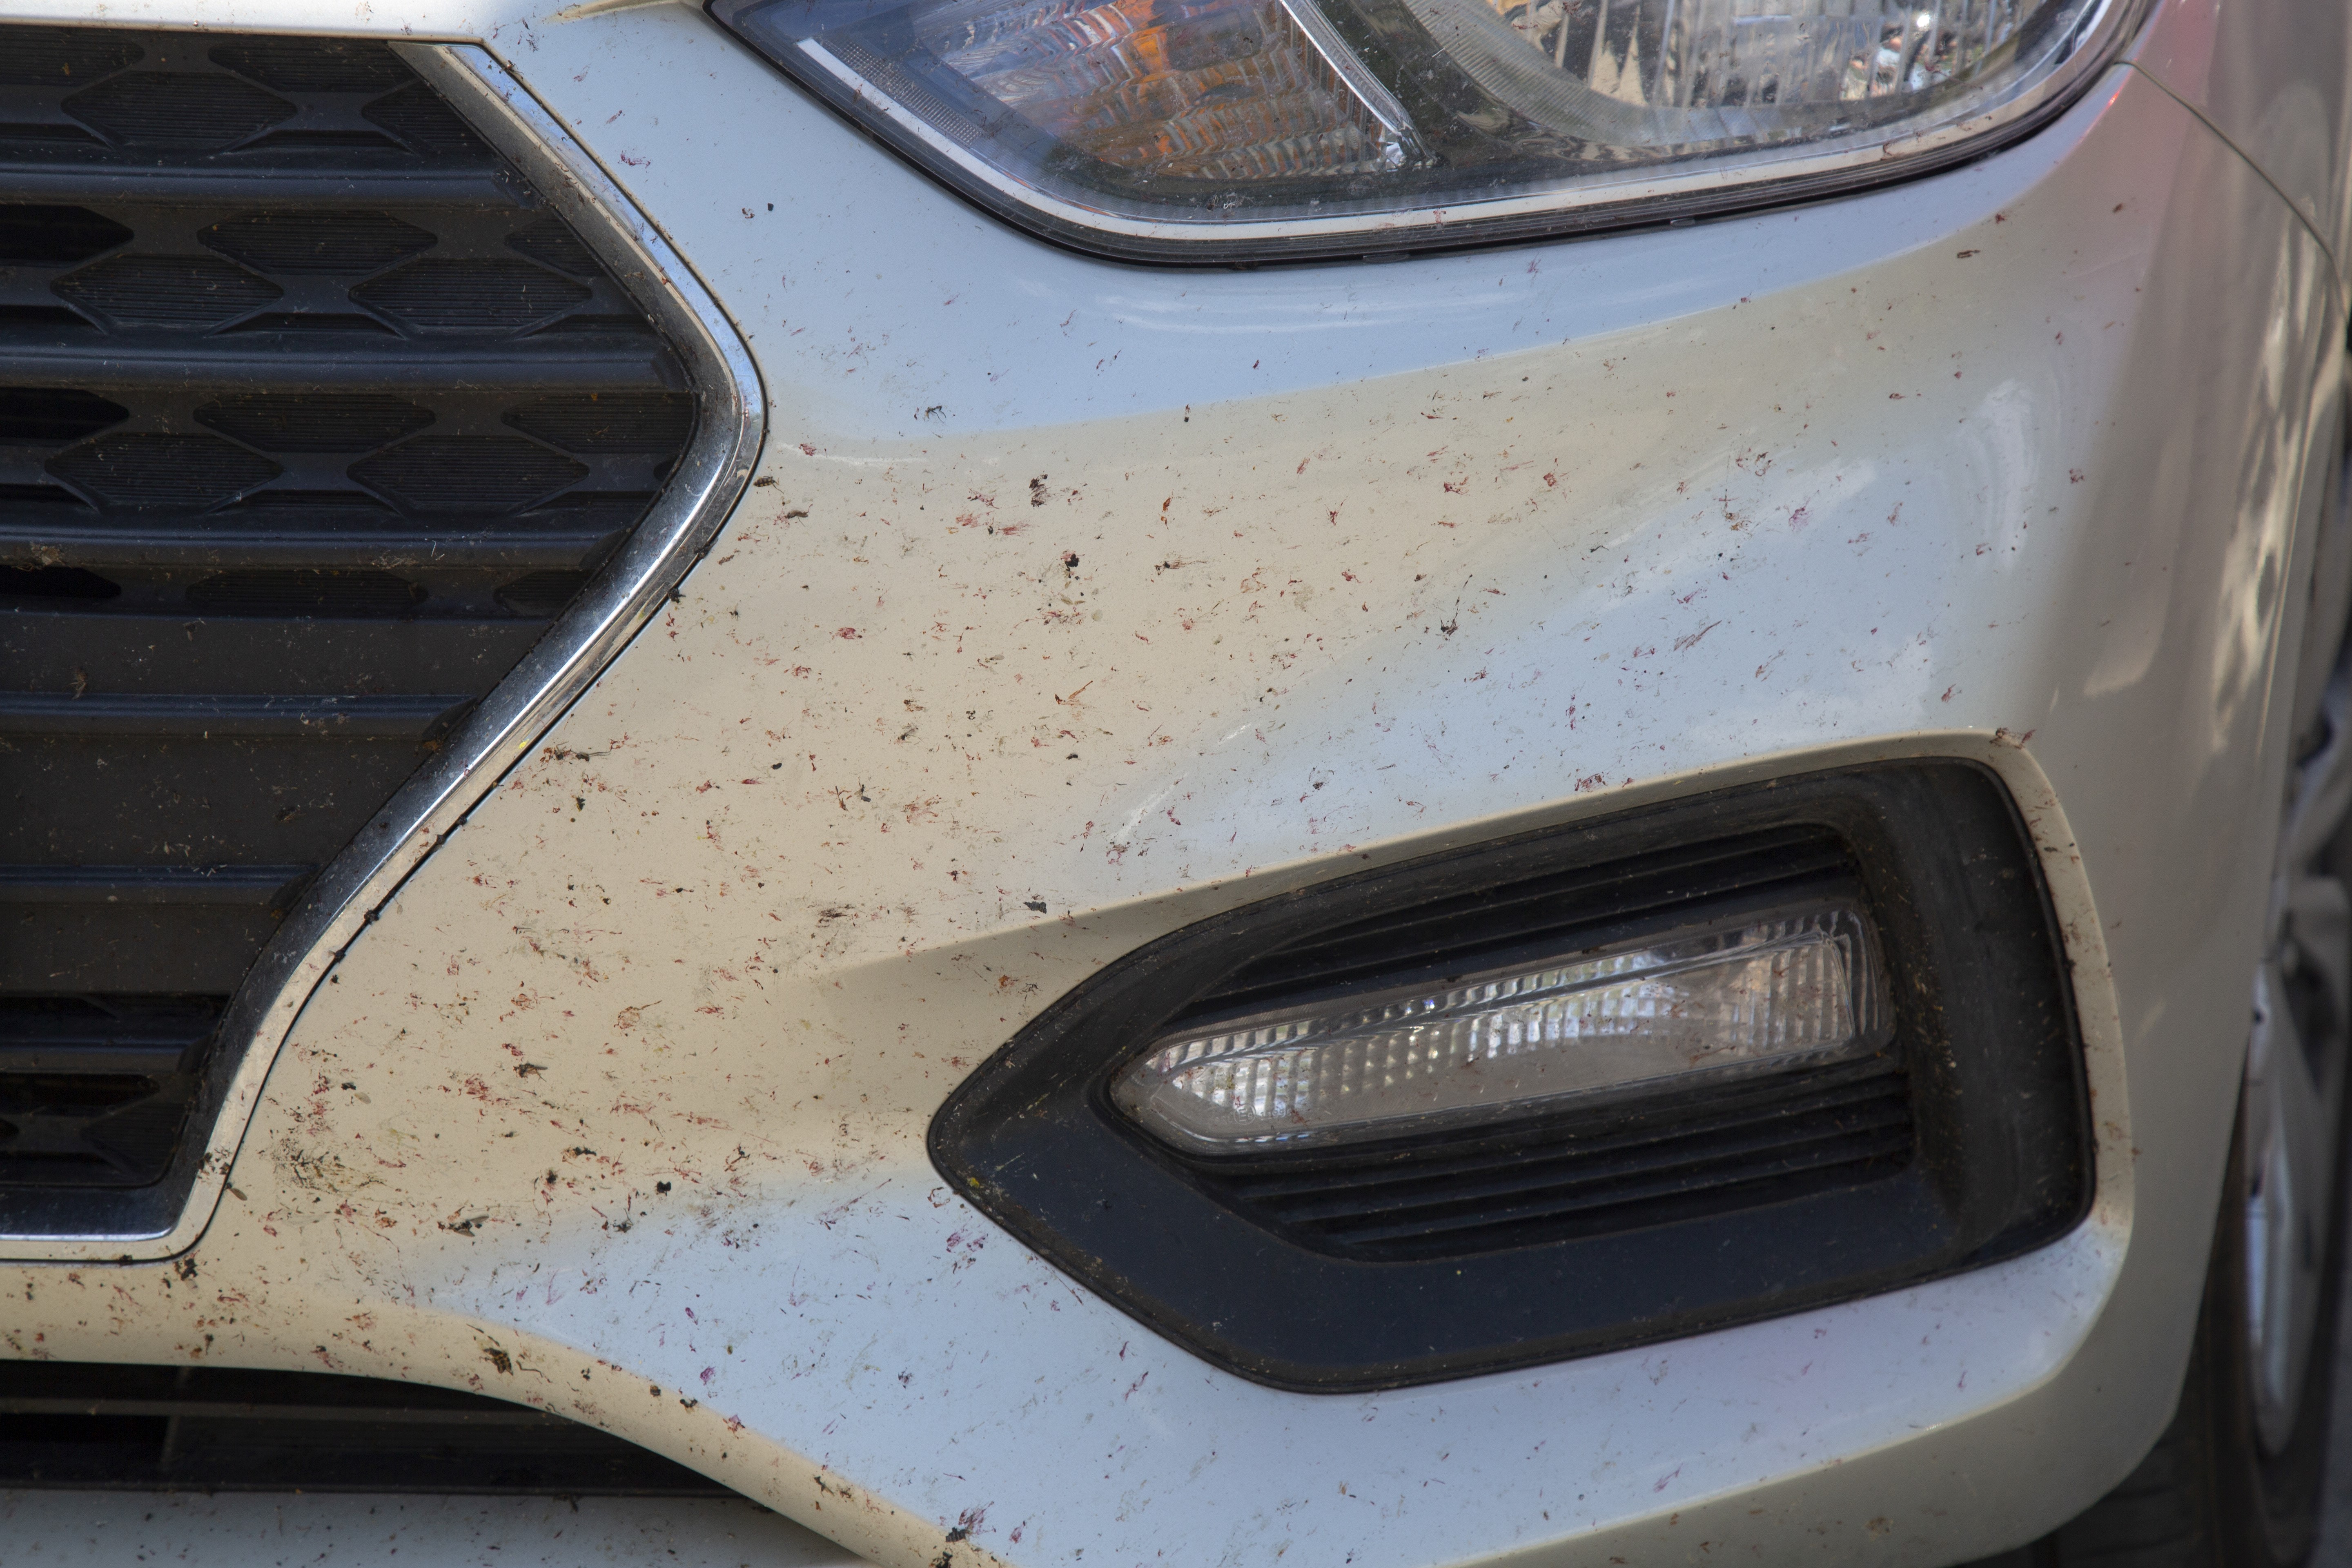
pixel 1964 1142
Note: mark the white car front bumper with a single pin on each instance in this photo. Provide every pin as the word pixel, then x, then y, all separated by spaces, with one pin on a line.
pixel 1061 577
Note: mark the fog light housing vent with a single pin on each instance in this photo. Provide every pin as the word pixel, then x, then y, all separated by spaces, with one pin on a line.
pixel 1716 1060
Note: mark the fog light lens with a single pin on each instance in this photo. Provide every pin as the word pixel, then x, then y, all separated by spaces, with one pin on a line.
pixel 1791 989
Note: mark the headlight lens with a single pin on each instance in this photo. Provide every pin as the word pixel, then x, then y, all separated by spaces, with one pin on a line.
pixel 1667 1013
pixel 1157 128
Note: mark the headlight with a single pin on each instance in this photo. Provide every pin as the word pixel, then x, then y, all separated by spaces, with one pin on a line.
pixel 1225 129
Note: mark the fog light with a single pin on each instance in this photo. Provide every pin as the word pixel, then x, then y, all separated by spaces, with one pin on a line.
pixel 1792 989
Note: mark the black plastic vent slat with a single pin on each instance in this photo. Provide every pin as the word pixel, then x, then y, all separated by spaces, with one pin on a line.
pixel 1660 1199
pixel 608 422
pixel 294 538
pixel 531 595
pixel 48 416
pixel 267 886
pixel 426 124
pixel 1601 1144
pixel 95 178
pixel 314 416
pixel 314 65
pixel 331 242
pixel 166 290
pixel 346 422
pixel 551 244
pixel 433 474
pixel 454 296
pixel 203 714
pixel 226 1429
pixel 140 472
pixel 50 236
pixel 50 647
pixel 139 359
pixel 145 109
pixel 302 591
pixel 61 56
pixel 1545 1184
pixel 1526 1205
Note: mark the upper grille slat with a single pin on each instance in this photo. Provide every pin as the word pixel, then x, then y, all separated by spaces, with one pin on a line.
pixel 184 714
pixel 312 185
pixel 69 360
pixel 245 885
pixel 142 652
pixel 314 416
pixel 293 544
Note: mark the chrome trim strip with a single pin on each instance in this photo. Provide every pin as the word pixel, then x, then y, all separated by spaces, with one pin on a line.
pixel 159 1221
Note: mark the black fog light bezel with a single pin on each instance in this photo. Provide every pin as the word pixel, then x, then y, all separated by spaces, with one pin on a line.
pixel 1963 1140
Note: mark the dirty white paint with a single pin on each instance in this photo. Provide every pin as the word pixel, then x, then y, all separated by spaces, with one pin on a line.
pixel 2276 83
pixel 1076 601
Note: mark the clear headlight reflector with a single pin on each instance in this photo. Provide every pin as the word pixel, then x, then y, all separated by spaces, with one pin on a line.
pixel 1261 127
pixel 1793 990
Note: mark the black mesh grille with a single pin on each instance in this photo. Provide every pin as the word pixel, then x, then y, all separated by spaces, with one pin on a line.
pixel 437 295
pixel 65 1423
pixel 62 57
pixel 419 120
pixel 622 422
pixel 157 470
pixel 449 473
pixel 155 109
pixel 332 422
pixel 46 417
pixel 551 244
pixel 164 291
pixel 48 236
pixel 313 65
pixel 314 415
pixel 332 242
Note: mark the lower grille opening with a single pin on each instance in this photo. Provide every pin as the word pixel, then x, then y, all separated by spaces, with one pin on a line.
pixel 202 1428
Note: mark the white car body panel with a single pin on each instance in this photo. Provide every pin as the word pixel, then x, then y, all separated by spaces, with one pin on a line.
pixel 2271 79
pixel 2008 463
